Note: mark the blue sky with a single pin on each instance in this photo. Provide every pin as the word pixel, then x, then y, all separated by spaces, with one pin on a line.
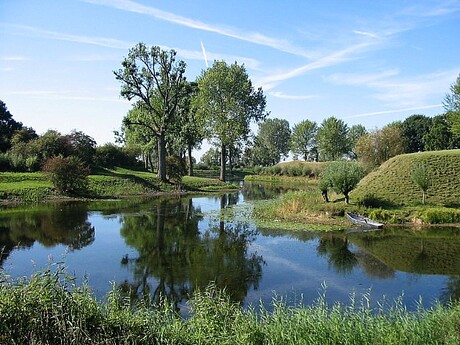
pixel 366 62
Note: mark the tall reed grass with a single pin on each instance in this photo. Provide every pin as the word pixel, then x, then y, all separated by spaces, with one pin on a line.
pixel 49 308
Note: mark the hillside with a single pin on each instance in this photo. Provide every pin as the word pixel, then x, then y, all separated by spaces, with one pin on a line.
pixel 392 181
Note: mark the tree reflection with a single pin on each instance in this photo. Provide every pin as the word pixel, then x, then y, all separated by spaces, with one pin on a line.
pixel 335 248
pixel 51 225
pixel 181 258
pixel 451 293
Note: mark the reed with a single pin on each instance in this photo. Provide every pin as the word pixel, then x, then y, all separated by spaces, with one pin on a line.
pixel 49 308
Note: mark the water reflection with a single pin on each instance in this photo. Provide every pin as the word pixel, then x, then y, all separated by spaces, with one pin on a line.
pixel 339 256
pixel 172 249
pixel 48 225
pixel 173 246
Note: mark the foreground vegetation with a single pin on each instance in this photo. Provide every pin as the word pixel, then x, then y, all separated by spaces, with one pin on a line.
pixel 49 309
pixel 103 183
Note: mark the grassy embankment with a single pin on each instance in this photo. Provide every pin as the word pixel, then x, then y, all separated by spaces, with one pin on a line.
pixel 49 309
pixel 387 194
pixel 105 183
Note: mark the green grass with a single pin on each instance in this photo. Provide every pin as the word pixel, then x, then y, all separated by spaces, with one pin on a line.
pixel 388 195
pixel 392 183
pixel 104 183
pixel 49 309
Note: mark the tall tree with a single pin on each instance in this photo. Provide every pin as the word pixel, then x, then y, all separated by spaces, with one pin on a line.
pixel 228 103
pixel 332 139
pixel 380 145
pixel 303 139
pixel 188 130
pixel 153 78
pixel 452 106
pixel 273 140
pixel 354 134
pixel 439 136
pixel 413 129
pixel 7 127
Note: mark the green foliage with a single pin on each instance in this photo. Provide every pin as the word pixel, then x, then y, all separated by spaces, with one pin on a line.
pixel 440 216
pixel 392 182
pixel 50 309
pixel 7 127
pixel 176 169
pixel 422 177
pixel 413 130
pixel 153 78
pixel 272 142
pixel 439 136
pixel 380 145
pixel 344 177
pixel 303 140
pixel 332 139
pixel 110 155
pixel 226 104
pixel 69 175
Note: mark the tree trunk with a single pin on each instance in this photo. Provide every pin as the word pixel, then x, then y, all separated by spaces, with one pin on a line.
pixel 230 161
pixel 347 198
pixel 162 157
pixel 190 160
pixel 223 158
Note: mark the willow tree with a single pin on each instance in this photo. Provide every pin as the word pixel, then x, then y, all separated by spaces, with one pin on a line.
pixel 154 79
pixel 228 103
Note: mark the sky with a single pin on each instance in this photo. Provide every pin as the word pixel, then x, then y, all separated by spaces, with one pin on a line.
pixel 365 62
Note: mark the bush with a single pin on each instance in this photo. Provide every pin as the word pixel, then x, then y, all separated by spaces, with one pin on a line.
pixel 68 174
pixel 175 169
pixel 110 155
pixel 440 216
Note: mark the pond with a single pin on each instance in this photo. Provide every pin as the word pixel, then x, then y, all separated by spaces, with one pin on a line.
pixel 172 246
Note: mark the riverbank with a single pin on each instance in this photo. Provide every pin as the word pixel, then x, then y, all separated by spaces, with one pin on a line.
pixel 305 209
pixel 104 184
pixel 49 308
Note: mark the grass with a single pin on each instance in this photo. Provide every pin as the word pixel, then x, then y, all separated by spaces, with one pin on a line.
pixel 104 183
pixel 392 182
pixel 388 195
pixel 50 309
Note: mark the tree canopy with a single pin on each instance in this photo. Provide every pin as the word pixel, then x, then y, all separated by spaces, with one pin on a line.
pixel 7 127
pixel 332 139
pixel 303 139
pixel 227 103
pixel 154 79
pixel 272 141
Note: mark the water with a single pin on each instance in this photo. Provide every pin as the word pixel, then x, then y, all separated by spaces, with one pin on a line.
pixel 172 246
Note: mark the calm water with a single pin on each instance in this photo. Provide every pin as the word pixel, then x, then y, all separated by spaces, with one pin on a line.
pixel 171 246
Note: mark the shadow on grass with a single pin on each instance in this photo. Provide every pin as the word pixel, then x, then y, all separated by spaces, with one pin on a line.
pixel 153 185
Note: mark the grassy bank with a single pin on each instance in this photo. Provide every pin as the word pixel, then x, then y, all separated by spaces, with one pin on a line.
pixel 392 184
pixel 48 309
pixel 387 195
pixel 104 183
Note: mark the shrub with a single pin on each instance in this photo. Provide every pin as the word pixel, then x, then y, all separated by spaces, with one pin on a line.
pixel 175 169
pixel 68 174
pixel 440 216
pixel 32 163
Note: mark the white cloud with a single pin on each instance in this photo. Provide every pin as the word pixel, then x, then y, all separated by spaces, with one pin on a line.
pixel 393 111
pixel 400 91
pixel 278 94
pixel 64 95
pixel 331 59
pixel 13 58
pixel 98 41
pixel 253 37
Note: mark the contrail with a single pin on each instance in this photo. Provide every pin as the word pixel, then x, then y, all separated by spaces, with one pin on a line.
pixel 204 54
pixel 393 111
